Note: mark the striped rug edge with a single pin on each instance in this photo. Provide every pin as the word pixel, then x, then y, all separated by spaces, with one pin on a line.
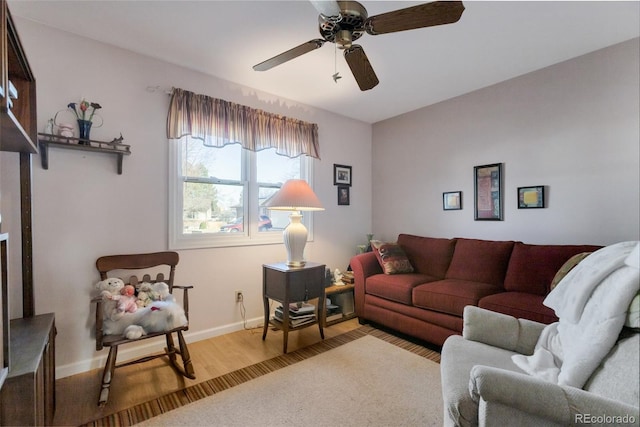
pixel 177 399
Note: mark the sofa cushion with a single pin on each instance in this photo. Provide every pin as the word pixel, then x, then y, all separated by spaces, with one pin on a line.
pixel 482 261
pixel 395 287
pixel 532 267
pixel 521 305
pixel 391 257
pixel 428 255
pixel 451 295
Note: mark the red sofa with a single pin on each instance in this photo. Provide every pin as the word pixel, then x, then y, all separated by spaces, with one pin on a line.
pixel 449 274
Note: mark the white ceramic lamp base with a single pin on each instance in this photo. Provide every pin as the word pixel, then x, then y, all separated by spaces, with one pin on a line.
pixel 295 238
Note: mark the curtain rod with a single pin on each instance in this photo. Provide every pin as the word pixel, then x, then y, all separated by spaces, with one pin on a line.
pixel 158 88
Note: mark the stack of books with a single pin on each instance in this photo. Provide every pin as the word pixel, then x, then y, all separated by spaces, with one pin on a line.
pixel 347 277
pixel 334 312
pixel 299 314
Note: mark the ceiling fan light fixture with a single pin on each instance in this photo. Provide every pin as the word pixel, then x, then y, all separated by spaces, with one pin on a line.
pixel 344 39
pixel 344 22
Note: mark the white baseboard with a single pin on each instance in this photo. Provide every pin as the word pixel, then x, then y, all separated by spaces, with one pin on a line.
pixel 149 346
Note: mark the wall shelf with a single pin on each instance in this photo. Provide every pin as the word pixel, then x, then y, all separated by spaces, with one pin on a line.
pixel 114 147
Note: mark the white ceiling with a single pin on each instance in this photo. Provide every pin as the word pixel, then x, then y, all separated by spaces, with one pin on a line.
pixel 492 42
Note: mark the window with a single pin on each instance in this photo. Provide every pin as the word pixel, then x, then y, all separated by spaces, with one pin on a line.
pixel 217 194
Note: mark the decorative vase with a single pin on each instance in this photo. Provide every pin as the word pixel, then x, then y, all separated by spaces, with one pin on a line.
pixel 84 127
pixel 369 238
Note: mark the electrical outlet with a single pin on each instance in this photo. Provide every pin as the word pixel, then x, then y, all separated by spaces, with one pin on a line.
pixel 239 296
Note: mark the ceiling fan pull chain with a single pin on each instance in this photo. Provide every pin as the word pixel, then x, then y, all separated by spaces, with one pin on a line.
pixel 336 76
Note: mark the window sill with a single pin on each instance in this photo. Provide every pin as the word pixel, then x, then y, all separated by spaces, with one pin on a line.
pixel 224 240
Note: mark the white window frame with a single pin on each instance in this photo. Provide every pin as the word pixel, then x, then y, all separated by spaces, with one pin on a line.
pixel 250 235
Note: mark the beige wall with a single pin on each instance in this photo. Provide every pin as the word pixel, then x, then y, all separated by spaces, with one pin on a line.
pixel 573 127
pixel 83 209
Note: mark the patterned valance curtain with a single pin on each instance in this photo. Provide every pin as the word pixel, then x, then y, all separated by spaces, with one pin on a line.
pixel 218 122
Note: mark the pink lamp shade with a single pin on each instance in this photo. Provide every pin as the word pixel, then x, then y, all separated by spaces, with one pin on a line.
pixel 295 195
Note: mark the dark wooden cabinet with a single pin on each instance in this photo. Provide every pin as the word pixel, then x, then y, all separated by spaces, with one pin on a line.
pixel 18 133
pixel 17 91
pixel 28 395
pixel 4 311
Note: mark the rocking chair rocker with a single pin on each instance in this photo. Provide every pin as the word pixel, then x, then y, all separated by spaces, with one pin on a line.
pixel 107 264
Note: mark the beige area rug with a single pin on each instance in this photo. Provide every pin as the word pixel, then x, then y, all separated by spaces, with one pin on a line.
pixel 362 378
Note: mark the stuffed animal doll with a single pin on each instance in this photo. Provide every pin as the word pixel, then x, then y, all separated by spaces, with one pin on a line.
pixel 110 291
pixel 120 316
pixel 144 291
pixel 150 292
pixel 159 291
pixel 158 316
pixel 110 287
pixel 127 302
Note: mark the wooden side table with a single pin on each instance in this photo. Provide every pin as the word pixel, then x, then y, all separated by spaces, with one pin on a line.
pixel 331 292
pixel 285 285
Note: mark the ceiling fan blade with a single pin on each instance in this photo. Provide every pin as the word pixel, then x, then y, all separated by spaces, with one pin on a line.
pixel 327 8
pixel 361 67
pixel 420 16
pixel 289 55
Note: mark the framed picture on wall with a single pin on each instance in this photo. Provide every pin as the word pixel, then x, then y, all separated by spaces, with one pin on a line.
pixel 452 201
pixel 488 192
pixel 344 198
pixel 341 175
pixel 531 197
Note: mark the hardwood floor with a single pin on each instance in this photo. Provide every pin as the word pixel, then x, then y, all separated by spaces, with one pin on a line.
pixel 77 395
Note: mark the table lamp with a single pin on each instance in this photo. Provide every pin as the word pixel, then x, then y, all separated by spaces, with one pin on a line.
pixel 295 195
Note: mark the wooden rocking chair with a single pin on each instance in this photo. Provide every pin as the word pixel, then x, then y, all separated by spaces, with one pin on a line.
pixel 140 262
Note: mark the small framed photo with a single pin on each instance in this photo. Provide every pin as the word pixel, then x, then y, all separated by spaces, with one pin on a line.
pixel 341 175
pixel 531 197
pixel 344 198
pixel 488 192
pixel 452 201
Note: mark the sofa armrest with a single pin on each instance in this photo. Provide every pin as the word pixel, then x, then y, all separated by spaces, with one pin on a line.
pixel 537 399
pixel 363 266
pixel 500 330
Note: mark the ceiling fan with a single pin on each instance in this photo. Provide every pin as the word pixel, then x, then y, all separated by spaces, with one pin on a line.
pixel 343 22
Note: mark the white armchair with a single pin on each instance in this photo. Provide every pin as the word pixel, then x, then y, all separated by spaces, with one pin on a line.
pixel 482 386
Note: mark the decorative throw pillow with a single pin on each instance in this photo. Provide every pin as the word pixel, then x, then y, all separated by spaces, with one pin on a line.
pixel 567 267
pixel 633 315
pixel 391 257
